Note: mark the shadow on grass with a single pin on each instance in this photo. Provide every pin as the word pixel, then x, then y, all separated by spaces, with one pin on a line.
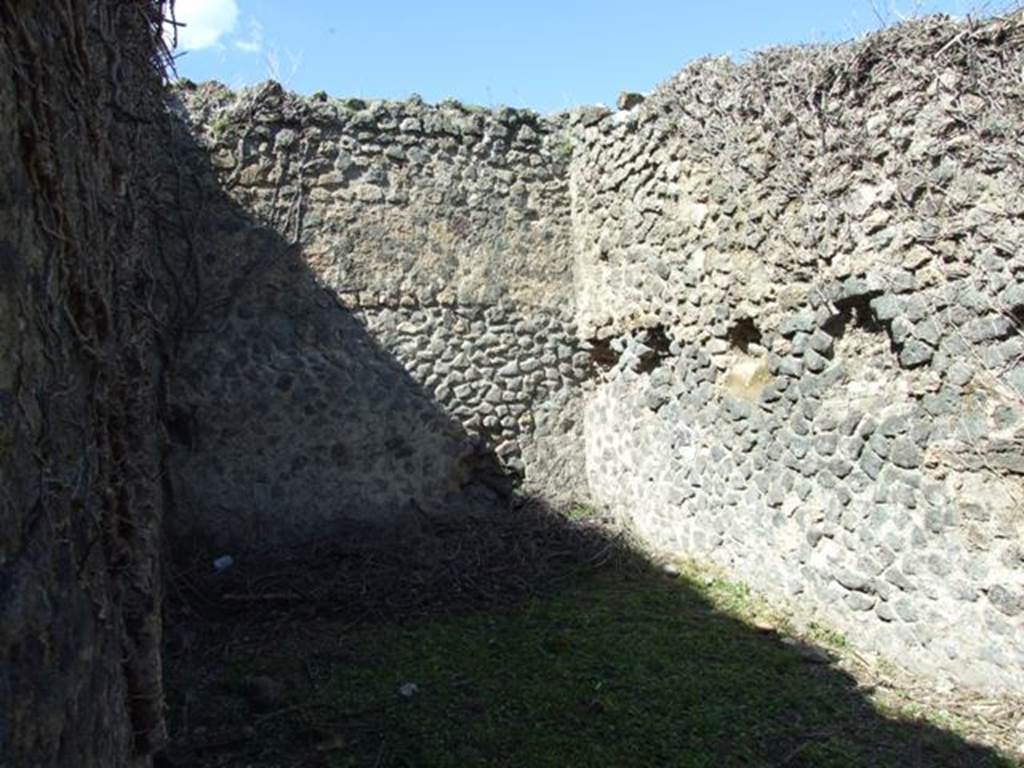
pixel 524 640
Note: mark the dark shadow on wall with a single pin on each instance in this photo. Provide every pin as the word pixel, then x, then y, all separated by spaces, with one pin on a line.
pixel 375 543
pixel 288 421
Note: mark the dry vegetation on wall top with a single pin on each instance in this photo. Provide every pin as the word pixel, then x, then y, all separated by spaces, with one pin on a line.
pixel 788 150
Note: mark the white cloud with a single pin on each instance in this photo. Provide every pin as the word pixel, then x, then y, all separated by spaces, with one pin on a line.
pixel 204 22
pixel 253 43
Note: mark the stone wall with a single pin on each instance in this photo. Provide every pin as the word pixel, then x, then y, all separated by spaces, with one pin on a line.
pixel 385 314
pixel 80 370
pixel 806 276
pixel 770 313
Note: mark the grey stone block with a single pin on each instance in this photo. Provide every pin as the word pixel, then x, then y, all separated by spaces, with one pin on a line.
pixel 821 342
pixel 804 321
pixel 849 423
pixel 988 328
pixel 915 353
pixel 901 281
pixel 897 578
pixel 812 387
pixel 1006 601
pixel 885 612
pixel 852 580
pixel 905 610
pixel 939 565
pixel 654 399
pixel 815 362
pixel 840 467
pixel 871 464
pixel 814 535
pixel 929 332
pixel 905 453
pixel 941 403
pixel 880 445
pixel 826 444
pixel 895 424
pixel 790 366
pixel 886 307
pixel 921 433
pixel 858 601
pixel 901 329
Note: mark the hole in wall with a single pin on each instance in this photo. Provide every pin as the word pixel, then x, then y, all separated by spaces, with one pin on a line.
pixel 602 355
pixel 656 339
pixel 743 333
pixel 856 312
pixel 747 375
pixel 659 342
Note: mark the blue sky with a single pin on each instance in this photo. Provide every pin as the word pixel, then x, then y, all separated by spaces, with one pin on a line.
pixel 548 55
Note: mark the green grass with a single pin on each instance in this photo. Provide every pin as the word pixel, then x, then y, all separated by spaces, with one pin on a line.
pixel 581 512
pixel 221 127
pixel 617 669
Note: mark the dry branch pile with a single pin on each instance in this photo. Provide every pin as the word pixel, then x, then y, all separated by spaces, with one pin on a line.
pixel 439 565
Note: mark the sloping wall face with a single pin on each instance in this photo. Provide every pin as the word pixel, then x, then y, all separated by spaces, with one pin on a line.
pixel 806 274
pixel 80 441
pixel 387 315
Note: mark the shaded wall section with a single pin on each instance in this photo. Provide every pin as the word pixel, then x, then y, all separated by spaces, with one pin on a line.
pixel 80 437
pixel 384 314
pixel 807 274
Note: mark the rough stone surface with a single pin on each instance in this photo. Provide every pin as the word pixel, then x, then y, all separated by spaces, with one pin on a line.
pixel 873 473
pixel 770 313
pixel 80 427
pixel 737 312
pixel 388 324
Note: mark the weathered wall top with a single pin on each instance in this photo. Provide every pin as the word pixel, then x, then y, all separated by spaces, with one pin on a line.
pixel 404 201
pixel 765 179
